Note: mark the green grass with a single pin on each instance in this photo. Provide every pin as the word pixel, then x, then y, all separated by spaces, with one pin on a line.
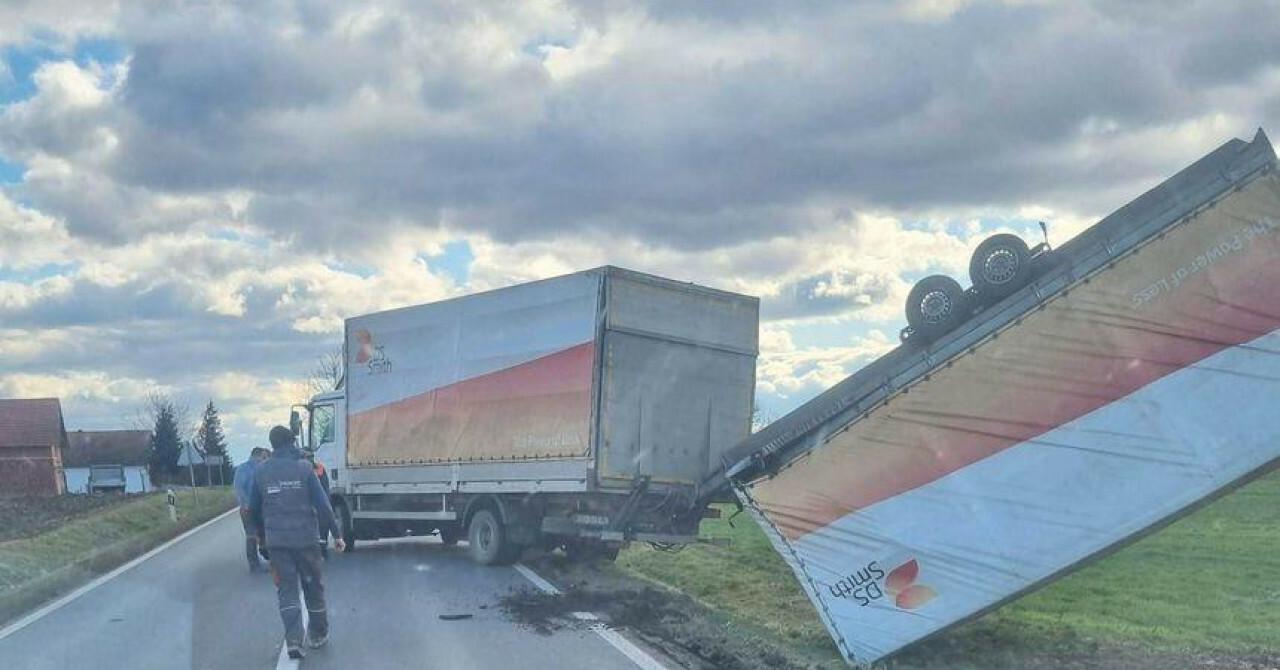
pixel 36 568
pixel 1209 583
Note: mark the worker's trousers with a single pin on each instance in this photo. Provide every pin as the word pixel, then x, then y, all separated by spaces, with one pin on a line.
pixel 292 568
pixel 250 539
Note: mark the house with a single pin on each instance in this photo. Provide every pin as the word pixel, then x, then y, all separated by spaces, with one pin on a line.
pixel 32 441
pixel 119 453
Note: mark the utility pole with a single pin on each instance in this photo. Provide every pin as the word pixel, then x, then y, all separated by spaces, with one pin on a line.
pixel 191 469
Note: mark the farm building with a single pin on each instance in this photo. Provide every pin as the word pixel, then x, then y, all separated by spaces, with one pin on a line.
pixel 32 441
pixel 107 460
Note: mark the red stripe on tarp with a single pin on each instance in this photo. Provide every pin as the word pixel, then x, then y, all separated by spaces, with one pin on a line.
pixel 537 408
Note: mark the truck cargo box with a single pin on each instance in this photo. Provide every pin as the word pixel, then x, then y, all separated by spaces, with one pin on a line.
pixel 585 381
pixel 1136 379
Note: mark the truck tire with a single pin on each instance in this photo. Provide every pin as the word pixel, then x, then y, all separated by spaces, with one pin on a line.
pixel 343 517
pixel 935 306
pixel 490 544
pixel 1000 266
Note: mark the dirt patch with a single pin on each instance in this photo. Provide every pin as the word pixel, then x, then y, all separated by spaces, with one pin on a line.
pixel 694 636
pixel 29 516
pixel 683 630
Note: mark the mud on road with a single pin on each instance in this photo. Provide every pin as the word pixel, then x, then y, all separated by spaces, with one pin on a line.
pixel 694 636
pixel 688 633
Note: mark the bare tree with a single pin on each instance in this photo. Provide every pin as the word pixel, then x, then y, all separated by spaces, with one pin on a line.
pixel 157 403
pixel 329 373
pixel 760 418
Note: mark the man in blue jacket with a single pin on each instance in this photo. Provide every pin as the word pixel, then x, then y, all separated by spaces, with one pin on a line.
pixel 288 506
pixel 243 485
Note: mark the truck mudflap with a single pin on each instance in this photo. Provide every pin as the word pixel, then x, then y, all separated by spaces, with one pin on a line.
pixel 1117 404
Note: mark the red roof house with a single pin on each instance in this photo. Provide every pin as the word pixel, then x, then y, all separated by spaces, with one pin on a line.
pixel 32 438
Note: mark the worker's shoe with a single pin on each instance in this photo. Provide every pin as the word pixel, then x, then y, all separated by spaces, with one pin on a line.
pixel 295 651
pixel 317 641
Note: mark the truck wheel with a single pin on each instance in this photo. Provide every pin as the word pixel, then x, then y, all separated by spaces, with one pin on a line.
pixel 489 542
pixel 348 530
pixel 936 305
pixel 1000 266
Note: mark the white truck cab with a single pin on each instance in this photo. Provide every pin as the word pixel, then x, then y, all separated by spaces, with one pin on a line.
pixel 325 435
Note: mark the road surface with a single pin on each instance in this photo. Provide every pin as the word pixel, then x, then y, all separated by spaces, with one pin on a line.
pixel 195 605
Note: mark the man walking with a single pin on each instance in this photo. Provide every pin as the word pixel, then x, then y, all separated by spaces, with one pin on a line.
pixel 287 504
pixel 242 484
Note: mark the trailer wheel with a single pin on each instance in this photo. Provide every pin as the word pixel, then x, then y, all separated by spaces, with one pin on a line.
pixel 345 526
pixel 490 544
pixel 1000 266
pixel 936 305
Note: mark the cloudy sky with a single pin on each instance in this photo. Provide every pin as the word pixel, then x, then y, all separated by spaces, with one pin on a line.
pixel 194 194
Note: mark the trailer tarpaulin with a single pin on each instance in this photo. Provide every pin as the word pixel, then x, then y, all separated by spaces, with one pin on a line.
pixel 1108 409
pixel 499 375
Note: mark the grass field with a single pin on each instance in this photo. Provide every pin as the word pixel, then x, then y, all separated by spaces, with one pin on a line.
pixel 38 567
pixel 1208 586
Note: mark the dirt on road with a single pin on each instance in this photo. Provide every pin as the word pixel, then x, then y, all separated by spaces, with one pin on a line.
pixel 686 632
pixel 694 636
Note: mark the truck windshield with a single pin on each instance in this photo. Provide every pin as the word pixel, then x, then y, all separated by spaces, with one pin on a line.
pixel 321 425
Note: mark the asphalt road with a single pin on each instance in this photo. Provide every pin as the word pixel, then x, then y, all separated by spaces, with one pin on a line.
pixel 195 605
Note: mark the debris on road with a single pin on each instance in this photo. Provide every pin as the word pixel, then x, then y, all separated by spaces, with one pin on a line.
pixel 455 617
pixel 671 622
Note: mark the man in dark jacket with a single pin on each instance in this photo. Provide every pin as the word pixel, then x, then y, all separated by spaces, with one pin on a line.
pixel 288 505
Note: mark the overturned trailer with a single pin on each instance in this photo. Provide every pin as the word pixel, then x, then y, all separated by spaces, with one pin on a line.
pixel 1135 377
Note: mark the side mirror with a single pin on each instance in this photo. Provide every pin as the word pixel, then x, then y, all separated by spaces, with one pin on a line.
pixel 295 423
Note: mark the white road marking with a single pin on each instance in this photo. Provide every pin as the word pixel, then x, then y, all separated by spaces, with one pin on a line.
pixel 283 661
pixel 542 584
pixel 71 597
pixel 637 655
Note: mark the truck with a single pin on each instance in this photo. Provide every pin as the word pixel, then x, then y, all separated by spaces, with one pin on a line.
pixel 1070 402
pixel 580 412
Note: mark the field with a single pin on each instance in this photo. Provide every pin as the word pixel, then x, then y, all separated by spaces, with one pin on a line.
pixel 1203 592
pixel 77 539
pixel 27 516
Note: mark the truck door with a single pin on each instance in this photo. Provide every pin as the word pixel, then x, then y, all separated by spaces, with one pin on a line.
pixel 327 437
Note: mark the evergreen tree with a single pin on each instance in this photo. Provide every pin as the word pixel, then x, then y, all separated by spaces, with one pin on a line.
pixel 166 438
pixel 209 437
pixel 211 442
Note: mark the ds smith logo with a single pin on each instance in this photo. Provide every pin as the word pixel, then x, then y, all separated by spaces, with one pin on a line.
pixel 871 583
pixel 370 354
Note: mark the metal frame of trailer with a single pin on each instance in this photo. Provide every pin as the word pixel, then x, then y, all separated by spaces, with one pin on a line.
pixel 1124 232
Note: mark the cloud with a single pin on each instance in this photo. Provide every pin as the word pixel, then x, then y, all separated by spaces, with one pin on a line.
pixel 677 128
pixel 790 373
pixel 74 387
pixel 202 212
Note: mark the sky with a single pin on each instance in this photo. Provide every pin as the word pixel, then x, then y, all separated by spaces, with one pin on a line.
pixel 193 195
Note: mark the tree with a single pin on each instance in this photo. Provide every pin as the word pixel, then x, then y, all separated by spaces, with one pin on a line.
pixel 330 371
pixel 209 437
pixel 759 418
pixel 210 440
pixel 165 418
